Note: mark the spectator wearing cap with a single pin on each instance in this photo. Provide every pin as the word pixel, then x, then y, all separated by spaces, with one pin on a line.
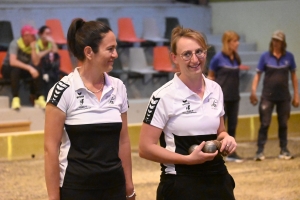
pixel 277 63
pixel 18 65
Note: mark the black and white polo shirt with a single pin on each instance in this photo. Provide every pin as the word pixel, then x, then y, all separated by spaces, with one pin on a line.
pixel 89 148
pixel 186 119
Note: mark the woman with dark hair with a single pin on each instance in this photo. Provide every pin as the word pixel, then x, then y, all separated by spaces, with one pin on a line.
pixel 224 69
pixel 185 111
pixel 45 55
pixel 87 147
pixel 276 63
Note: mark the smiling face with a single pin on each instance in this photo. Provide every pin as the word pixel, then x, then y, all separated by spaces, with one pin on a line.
pixel 193 66
pixel 107 52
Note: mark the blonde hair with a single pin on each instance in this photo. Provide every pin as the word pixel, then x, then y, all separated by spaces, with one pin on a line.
pixel 179 32
pixel 228 36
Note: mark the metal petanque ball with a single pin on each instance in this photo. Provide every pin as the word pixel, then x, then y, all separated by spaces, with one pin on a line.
pixel 192 148
pixel 209 147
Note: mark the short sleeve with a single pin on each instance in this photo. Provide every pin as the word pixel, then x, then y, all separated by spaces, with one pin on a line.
pixel 58 96
pixel 221 99
pixel 13 48
pixel 156 114
pixel 125 104
pixel 213 66
pixel 293 63
pixel 261 64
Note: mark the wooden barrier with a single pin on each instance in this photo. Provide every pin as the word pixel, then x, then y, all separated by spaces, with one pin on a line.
pixel 14 126
pixel 30 144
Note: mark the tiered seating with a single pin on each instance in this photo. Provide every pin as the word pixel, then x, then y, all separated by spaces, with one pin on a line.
pixel 6 35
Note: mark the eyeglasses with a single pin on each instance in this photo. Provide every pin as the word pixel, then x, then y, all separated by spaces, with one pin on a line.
pixel 187 55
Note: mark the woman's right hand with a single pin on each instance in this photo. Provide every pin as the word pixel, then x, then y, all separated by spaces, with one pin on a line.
pixel 253 99
pixel 199 157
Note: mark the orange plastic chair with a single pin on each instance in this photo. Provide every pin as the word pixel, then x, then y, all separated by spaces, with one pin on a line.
pixel 161 59
pixel 126 32
pixel 2 56
pixel 66 66
pixel 57 31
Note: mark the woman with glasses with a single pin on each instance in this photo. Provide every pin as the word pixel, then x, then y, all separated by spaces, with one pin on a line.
pixel 224 69
pixel 185 111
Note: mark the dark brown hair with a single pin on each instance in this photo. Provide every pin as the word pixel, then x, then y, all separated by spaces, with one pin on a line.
pixel 82 34
pixel 42 29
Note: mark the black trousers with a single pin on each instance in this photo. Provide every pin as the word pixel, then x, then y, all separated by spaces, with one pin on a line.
pixel 231 109
pixel 116 193
pixel 266 107
pixel 16 74
pixel 208 187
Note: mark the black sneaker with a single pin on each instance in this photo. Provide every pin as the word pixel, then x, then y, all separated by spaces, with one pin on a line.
pixel 285 154
pixel 234 158
pixel 259 156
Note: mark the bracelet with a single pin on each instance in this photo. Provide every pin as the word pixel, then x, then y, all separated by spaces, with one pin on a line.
pixel 132 195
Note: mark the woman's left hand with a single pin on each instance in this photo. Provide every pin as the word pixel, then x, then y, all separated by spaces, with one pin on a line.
pixel 131 195
pixel 228 145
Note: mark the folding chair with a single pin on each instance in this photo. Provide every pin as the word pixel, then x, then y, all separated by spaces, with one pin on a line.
pixel 151 31
pixel 171 23
pixel 57 31
pixel 65 62
pixel 6 35
pixel 138 64
pixel 118 70
pixel 162 62
pixel 126 31
pixel 103 20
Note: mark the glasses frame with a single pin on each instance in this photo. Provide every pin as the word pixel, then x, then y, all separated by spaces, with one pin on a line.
pixel 204 52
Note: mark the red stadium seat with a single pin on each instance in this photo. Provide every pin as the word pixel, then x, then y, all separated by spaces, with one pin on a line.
pixel 66 66
pixel 57 31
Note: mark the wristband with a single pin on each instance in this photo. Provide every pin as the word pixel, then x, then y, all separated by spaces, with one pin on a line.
pixel 132 195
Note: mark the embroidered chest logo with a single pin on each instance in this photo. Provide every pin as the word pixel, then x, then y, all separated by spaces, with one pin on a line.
pixel 187 105
pixel 80 98
pixel 286 62
pixel 112 99
pixel 213 103
pixel 81 102
pixel 150 110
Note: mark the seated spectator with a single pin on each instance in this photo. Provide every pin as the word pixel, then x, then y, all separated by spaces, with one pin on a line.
pixel 45 55
pixel 18 65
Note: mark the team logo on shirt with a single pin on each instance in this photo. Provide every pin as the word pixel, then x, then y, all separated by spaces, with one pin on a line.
pixel 58 90
pixel 286 62
pixel 80 97
pixel 188 109
pixel 185 102
pixel 150 110
pixel 81 102
pixel 213 103
pixel 112 99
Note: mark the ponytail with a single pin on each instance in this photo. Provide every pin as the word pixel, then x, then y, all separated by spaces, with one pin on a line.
pixel 82 34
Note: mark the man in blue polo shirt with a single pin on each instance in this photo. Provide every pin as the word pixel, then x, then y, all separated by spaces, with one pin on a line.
pixel 276 63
